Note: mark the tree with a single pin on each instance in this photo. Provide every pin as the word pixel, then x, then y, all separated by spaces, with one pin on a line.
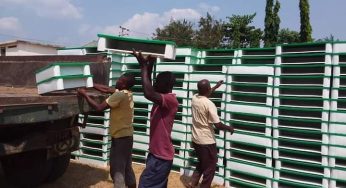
pixel 268 22
pixel 255 38
pixel 210 33
pixel 276 22
pixel 305 26
pixel 239 34
pixel 180 31
pixel 288 36
pixel 329 38
pixel 271 23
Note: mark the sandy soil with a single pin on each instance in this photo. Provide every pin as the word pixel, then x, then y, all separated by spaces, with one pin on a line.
pixel 83 176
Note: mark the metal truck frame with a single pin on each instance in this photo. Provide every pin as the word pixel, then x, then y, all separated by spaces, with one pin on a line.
pixel 38 133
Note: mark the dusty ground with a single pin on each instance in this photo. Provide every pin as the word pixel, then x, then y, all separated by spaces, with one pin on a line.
pixel 86 176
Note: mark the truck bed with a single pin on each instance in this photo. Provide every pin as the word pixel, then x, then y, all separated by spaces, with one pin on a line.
pixel 19 100
pixel 22 105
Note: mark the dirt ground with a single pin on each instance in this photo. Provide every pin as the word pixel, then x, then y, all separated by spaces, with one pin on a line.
pixel 13 90
pixel 85 176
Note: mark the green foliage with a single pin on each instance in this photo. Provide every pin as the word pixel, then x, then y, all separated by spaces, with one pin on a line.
pixel 268 22
pixel 255 38
pixel 209 34
pixel 276 22
pixel 180 31
pixel 237 31
pixel 288 36
pixel 305 26
pixel 271 23
pixel 240 34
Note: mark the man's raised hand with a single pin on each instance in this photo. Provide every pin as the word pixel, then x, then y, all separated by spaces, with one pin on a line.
pixel 81 91
pixel 143 61
pixel 219 83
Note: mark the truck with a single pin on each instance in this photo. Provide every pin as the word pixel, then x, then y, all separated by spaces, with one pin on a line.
pixel 39 132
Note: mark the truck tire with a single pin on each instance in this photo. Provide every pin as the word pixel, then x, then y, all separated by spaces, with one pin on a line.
pixel 27 169
pixel 59 166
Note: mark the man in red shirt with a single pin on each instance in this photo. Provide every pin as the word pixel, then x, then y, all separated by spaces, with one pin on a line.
pixel 161 151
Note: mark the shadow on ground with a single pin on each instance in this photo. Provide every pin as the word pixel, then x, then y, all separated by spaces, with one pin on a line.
pixel 77 176
pixel 85 176
pixel 185 181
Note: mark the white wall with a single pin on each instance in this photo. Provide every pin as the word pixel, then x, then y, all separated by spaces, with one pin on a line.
pixel 24 49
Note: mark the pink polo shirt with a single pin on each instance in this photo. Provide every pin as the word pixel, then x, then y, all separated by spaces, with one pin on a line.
pixel 161 124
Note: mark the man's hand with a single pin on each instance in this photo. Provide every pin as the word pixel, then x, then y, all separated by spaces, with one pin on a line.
pixel 224 127
pixel 143 61
pixel 231 129
pixel 146 64
pixel 151 60
pixel 81 92
pixel 218 84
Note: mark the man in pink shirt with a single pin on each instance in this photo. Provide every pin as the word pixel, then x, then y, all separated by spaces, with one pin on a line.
pixel 161 151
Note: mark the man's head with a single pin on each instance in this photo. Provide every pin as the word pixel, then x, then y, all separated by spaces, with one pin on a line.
pixel 204 88
pixel 164 82
pixel 126 81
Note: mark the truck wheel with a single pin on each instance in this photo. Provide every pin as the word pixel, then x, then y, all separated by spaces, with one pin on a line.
pixel 27 169
pixel 59 166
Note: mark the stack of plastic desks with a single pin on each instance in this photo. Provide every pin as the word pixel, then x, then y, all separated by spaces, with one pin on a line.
pixel 120 44
pixel 249 109
pixel 95 138
pixel 337 125
pixel 211 66
pixel 301 114
pixel 95 141
pixel 287 104
pixel 63 75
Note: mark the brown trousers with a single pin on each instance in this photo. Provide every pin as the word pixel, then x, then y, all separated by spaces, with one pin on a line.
pixel 121 162
pixel 206 166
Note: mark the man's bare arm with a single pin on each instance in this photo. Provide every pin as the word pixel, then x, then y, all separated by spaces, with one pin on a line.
pixel 151 62
pixel 92 102
pixel 104 89
pixel 224 127
pixel 149 91
pixel 218 84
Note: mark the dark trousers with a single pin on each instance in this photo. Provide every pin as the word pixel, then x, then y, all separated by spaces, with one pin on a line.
pixel 156 172
pixel 206 166
pixel 121 162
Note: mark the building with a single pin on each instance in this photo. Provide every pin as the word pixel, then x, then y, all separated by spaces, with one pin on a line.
pixel 26 48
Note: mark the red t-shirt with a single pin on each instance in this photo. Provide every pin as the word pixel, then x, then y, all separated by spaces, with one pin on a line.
pixel 161 124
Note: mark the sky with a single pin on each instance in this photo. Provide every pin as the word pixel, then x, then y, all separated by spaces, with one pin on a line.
pixel 73 23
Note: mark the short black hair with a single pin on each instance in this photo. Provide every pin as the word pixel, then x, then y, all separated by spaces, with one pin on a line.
pixel 130 80
pixel 166 81
pixel 203 87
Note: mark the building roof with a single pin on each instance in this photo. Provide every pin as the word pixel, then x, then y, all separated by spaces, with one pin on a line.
pixel 12 42
pixel 92 43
